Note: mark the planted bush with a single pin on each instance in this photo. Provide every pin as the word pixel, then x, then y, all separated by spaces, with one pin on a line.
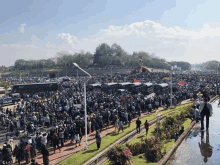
pixel 154 154
pixel 120 155
pixel 137 148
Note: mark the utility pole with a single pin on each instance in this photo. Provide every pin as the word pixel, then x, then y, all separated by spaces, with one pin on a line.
pixel 66 69
pixel 36 70
pixel 20 78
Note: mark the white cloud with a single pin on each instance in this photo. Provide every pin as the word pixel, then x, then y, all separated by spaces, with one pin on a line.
pixel 69 39
pixel 171 43
pixel 22 27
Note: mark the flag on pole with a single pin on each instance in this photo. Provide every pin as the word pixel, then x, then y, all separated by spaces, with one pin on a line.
pixel 181 83
pixel 136 81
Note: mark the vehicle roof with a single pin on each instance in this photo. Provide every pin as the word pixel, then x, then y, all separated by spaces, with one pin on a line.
pixel 37 83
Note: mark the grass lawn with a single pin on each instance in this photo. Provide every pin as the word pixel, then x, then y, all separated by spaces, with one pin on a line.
pixel 151 130
pixel 82 156
pixel 167 144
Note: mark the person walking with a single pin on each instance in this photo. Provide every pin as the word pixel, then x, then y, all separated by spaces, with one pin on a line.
pixel 146 125
pixel 205 110
pixel 138 125
pixel 98 139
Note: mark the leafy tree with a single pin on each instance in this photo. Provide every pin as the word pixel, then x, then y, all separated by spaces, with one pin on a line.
pixel 102 50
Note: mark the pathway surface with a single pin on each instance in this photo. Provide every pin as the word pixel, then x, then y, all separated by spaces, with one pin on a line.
pixel 200 147
pixel 69 149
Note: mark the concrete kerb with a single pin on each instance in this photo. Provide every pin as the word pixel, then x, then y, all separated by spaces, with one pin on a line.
pixel 103 153
pixel 168 155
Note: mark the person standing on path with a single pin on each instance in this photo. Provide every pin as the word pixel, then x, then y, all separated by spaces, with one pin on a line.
pixel 98 139
pixel 129 119
pixel 120 124
pixel 138 125
pixel 205 110
pixel 146 125
pixel 45 154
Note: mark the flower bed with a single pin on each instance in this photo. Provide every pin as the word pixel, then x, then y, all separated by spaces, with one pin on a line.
pixel 151 150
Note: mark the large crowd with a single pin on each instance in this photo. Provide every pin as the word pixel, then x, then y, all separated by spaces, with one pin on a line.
pixel 52 118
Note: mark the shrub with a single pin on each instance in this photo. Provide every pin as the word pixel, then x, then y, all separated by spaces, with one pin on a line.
pixel 137 148
pixel 154 154
pixel 120 155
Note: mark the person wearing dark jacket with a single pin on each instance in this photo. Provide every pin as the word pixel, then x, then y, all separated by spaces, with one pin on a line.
pixel 98 139
pixel 138 125
pixel 55 141
pixel 45 154
pixel 129 119
pixel 205 109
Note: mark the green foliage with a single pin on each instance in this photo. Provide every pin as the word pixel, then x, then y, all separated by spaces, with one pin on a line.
pixel 120 155
pixel 4 84
pixel 182 64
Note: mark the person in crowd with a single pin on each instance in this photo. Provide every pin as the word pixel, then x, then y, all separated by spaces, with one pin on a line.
pixel 116 123
pixel 44 140
pixel 56 141
pixel 138 125
pixel 17 153
pixel 28 151
pixel 61 136
pixel 98 139
pixel 205 110
pixel 45 153
pixel 77 138
pixel 129 119
pixel 195 113
pixel 121 125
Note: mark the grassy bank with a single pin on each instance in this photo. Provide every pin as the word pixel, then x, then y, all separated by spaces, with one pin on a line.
pixel 166 144
pixel 82 156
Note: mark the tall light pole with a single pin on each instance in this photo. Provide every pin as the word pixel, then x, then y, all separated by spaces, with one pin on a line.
pixel 171 91
pixel 42 68
pixel 85 102
pixel 66 69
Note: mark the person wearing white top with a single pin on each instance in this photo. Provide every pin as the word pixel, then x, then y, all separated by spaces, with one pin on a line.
pixel 44 139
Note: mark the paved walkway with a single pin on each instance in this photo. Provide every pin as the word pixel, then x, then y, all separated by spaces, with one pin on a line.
pixel 200 147
pixel 69 149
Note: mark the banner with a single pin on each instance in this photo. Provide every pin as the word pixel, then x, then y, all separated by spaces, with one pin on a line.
pixel 136 81
pixel 181 83
pixel 166 78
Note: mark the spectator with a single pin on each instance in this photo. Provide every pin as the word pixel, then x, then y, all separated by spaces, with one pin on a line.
pixel 146 125
pixel 120 123
pixel 205 110
pixel 98 139
pixel 45 154
pixel 138 125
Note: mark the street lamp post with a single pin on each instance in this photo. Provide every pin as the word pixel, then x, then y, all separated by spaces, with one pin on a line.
pixel 43 69
pixel 36 70
pixel 66 69
pixel 171 91
pixel 85 102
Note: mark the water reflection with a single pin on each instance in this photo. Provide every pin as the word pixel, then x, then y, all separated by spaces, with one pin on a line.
pixel 205 148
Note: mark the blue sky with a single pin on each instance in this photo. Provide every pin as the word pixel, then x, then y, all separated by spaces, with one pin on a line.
pixel 31 27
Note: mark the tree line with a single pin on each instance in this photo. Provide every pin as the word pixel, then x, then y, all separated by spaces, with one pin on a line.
pixel 105 56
